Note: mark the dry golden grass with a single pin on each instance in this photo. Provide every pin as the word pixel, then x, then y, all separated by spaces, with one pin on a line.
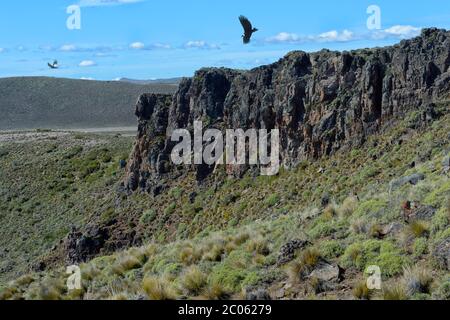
pixel 348 207
pixel 395 292
pixel 417 279
pixel 193 280
pixel 361 292
pixel 298 269
pixel 158 288
pixel 418 228
pixel 215 291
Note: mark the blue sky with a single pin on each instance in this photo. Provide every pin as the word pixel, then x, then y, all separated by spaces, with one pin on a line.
pixel 145 39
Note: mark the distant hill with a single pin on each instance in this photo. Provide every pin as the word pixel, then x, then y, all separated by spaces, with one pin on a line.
pixel 56 103
pixel 173 81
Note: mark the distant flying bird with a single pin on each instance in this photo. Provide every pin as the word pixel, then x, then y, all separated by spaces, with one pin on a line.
pixel 53 65
pixel 248 29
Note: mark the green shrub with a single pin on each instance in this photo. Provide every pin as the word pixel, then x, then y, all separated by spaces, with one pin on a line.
pixel 272 200
pixel 440 220
pixel 331 249
pixel 420 247
pixel 439 196
pixel 170 209
pixel 370 207
pixel 324 227
pixel 375 252
pixel 443 291
pixel 233 272
pixel 148 216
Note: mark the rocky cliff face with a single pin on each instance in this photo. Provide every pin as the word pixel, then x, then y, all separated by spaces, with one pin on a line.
pixel 321 102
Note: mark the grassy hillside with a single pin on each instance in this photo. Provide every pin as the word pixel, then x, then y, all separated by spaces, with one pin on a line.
pixel 226 240
pixel 39 102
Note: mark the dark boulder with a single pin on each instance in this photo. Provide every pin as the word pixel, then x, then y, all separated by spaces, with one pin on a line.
pixel 287 251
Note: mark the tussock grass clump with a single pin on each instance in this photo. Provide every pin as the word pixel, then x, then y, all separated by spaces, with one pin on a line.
pixel 347 207
pixel 89 271
pixel 258 245
pixel 417 280
pixel 193 280
pixel 24 280
pixel 7 293
pixel 119 297
pixel 215 291
pixel 51 289
pixel 158 288
pixel 230 247
pixel 213 250
pixel 189 255
pixel 376 231
pixel 298 269
pixel 359 226
pixel 151 250
pixel 418 229
pixel 329 212
pixel 395 292
pixel 241 238
pixel 361 292
pixel 126 262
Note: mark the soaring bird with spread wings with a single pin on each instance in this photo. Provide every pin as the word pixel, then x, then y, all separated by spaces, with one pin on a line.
pixel 53 65
pixel 248 29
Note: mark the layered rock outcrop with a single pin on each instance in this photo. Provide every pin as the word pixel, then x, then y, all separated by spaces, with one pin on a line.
pixel 321 102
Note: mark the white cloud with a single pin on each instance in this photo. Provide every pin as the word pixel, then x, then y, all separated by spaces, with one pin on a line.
pixel 92 48
pixel 102 3
pixel 200 44
pixel 403 31
pixel 330 36
pixel 396 32
pixel 285 37
pixel 336 36
pixel 141 46
pixel 87 63
pixel 87 78
pixel 137 45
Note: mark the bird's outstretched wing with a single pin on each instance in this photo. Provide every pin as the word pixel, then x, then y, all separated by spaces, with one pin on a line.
pixel 248 29
pixel 246 24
